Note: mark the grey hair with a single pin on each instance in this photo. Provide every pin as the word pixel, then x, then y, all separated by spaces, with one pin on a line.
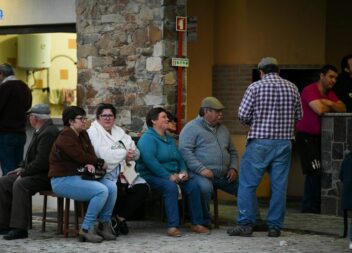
pixel 6 70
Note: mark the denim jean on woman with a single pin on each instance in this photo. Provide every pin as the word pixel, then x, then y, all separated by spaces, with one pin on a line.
pixel 101 195
pixel 170 194
pixel 264 155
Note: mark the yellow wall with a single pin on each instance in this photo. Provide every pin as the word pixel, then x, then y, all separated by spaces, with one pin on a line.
pixel 293 31
pixel 201 55
pixel 62 72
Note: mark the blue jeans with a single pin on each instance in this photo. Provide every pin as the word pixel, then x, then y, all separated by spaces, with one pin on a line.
pixel 101 195
pixel 170 194
pixel 207 189
pixel 11 150
pixel 261 155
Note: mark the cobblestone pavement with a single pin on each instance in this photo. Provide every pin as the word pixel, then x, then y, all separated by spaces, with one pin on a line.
pixel 149 236
pixel 303 233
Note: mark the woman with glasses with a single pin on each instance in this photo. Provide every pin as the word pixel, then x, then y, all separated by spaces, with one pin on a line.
pixel 72 150
pixel 117 148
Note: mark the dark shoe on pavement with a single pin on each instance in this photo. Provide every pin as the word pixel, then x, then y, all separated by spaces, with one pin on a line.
pixel 273 232
pixel 16 233
pixel 240 230
pixel 260 226
pixel 119 226
pixel 4 231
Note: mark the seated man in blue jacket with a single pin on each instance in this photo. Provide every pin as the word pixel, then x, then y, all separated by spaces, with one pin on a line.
pixel 207 149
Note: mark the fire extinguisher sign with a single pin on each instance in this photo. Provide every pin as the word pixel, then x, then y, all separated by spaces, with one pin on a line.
pixel 181 24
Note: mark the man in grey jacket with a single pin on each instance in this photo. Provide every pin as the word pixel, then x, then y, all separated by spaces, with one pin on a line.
pixel 207 149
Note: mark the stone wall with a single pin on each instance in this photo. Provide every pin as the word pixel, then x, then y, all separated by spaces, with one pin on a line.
pixel 336 142
pixel 124 52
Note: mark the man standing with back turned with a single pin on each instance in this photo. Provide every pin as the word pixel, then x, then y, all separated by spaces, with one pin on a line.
pixel 15 100
pixel 270 107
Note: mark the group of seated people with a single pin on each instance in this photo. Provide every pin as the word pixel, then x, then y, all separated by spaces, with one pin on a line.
pixel 54 157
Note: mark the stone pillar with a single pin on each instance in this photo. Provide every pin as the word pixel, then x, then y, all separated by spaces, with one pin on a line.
pixel 124 50
pixel 336 142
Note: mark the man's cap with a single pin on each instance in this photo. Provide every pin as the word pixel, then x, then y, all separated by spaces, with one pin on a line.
pixel 267 61
pixel 213 103
pixel 39 109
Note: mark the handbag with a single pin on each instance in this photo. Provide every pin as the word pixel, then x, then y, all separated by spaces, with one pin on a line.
pixel 129 172
pixel 129 169
pixel 98 173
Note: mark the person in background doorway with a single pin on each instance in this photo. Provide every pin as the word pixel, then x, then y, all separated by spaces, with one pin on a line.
pixel 343 86
pixel 18 186
pixel 270 107
pixel 117 148
pixel 317 99
pixel 15 100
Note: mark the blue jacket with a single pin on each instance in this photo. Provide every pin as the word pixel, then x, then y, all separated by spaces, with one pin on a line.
pixel 159 157
pixel 205 147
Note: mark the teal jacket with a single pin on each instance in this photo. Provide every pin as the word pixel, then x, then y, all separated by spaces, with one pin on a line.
pixel 159 156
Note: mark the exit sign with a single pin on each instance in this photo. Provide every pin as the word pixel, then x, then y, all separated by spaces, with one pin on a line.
pixel 181 24
pixel 180 62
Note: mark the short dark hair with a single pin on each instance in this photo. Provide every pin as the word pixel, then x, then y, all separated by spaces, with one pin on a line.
pixel 270 68
pixel 102 106
pixel 70 113
pixel 344 62
pixel 328 67
pixel 6 70
pixel 153 114
pixel 171 117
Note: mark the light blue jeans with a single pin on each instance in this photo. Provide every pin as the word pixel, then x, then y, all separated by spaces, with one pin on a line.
pixel 261 155
pixel 100 194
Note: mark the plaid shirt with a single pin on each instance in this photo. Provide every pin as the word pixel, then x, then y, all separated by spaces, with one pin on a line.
pixel 271 107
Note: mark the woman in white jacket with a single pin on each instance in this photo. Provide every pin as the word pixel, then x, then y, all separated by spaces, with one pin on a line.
pixel 117 148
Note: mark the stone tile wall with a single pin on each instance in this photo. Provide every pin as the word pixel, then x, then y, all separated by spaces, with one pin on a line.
pixel 124 50
pixel 336 143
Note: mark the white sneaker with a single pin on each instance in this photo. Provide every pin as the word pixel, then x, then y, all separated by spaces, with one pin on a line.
pixel 350 247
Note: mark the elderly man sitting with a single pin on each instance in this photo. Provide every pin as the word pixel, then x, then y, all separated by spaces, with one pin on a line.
pixel 18 186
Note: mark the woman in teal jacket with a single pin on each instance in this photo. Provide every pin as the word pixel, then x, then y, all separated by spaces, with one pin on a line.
pixel 162 166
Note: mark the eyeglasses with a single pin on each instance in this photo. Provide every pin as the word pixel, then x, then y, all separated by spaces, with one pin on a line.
pixel 215 110
pixel 107 116
pixel 81 118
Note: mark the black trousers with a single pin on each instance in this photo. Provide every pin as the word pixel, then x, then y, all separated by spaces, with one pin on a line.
pixel 15 199
pixel 130 200
pixel 309 148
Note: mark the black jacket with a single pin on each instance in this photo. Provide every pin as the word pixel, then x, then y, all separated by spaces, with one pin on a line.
pixel 346 179
pixel 36 162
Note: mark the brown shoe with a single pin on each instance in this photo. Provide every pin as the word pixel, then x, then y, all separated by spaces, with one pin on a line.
pixel 199 229
pixel 174 232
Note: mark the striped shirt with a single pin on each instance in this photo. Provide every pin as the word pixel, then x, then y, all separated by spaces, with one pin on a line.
pixel 271 107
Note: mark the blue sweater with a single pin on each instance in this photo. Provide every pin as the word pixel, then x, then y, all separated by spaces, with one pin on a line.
pixel 205 147
pixel 159 156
